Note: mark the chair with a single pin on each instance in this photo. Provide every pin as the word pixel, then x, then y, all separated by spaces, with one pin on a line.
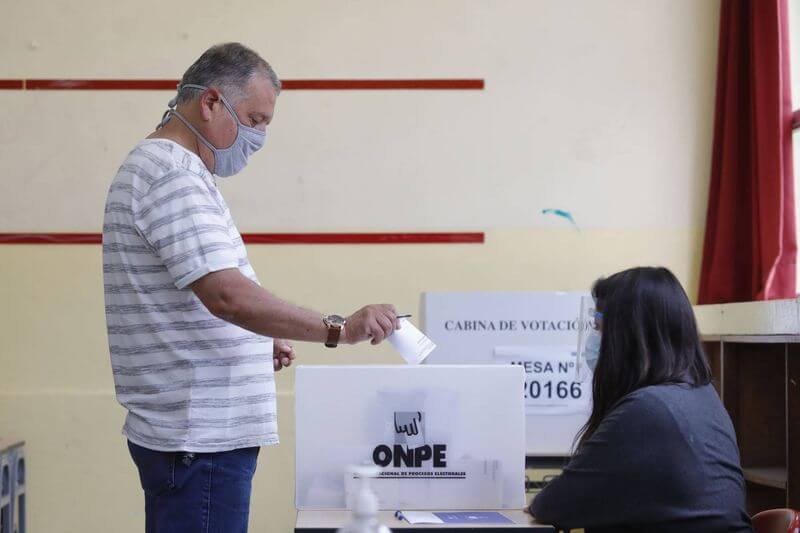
pixel 777 521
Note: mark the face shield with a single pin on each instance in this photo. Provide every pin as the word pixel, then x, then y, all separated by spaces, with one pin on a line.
pixel 589 327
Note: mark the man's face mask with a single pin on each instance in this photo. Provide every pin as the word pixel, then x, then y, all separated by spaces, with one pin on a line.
pixel 231 160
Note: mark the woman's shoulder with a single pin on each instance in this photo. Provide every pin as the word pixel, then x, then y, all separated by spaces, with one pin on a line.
pixel 670 392
pixel 661 403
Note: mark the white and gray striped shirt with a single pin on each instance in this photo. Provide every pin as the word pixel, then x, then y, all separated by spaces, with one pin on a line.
pixel 190 381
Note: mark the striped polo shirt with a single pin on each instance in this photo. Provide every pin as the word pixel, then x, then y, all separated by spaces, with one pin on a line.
pixel 189 380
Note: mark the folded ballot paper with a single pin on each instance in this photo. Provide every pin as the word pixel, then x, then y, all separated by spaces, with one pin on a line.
pixel 412 344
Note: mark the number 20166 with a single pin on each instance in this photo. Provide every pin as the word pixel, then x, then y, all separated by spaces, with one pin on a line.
pixel 561 390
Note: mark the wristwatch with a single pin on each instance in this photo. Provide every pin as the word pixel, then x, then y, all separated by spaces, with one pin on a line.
pixel 335 325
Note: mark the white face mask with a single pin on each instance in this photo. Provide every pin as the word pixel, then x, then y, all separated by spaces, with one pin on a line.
pixel 231 160
pixel 589 339
pixel 591 350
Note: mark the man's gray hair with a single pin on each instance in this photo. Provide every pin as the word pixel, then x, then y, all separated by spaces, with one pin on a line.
pixel 228 67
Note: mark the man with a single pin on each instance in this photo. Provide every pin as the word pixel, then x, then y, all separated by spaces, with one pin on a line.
pixel 190 329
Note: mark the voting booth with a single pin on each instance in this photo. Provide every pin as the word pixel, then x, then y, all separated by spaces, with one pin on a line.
pixel 537 331
pixel 443 437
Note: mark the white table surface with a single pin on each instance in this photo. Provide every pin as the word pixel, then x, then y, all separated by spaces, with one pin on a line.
pixel 335 519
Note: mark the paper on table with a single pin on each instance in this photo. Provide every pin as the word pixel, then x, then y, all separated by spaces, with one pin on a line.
pixel 412 344
pixel 418 517
pixel 473 517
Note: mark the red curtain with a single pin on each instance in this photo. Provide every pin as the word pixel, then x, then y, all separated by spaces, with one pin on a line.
pixel 750 246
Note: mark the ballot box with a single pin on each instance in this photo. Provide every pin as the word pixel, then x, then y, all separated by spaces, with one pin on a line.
pixel 442 437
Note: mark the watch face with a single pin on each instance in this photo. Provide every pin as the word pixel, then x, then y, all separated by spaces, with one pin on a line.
pixel 336 320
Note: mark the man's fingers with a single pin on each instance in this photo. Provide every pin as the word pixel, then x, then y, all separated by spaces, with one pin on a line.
pixel 283 354
pixel 368 328
pixel 387 324
pixel 377 332
pixel 280 362
pixel 374 322
pixel 287 352
pixel 391 315
pixel 284 347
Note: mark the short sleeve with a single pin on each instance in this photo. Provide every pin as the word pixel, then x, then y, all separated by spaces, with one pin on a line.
pixel 186 227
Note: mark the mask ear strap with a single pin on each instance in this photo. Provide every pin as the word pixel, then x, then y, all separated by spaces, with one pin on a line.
pixel 224 100
pixel 194 130
pixel 170 107
pixel 164 119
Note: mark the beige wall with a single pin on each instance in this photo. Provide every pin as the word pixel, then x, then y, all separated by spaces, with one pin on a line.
pixel 602 108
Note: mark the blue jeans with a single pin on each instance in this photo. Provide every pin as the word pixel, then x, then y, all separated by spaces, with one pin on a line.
pixel 195 492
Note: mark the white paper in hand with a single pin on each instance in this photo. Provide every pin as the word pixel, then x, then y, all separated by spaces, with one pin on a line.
pixel 412 344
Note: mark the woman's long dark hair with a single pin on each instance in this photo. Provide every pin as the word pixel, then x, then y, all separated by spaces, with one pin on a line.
pixel 649 337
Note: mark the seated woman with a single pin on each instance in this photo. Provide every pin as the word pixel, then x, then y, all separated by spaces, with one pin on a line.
pixel 659 452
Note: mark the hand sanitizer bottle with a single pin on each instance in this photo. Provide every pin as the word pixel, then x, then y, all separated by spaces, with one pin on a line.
pixel 364 504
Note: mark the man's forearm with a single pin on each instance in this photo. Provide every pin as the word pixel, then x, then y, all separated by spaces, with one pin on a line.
pixel 240 301
pixel 266 314
pixel 232 296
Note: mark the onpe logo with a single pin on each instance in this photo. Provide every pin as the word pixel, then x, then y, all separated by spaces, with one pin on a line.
pixel 408 427
pixel 410 447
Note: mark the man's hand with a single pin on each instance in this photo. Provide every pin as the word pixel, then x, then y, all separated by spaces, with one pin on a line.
pixel 282 354
pixel 374 322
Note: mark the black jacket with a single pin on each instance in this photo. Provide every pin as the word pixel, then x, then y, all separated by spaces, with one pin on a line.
pixel 664 459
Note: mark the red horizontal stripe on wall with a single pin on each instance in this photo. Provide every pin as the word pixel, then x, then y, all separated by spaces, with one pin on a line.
pixel 363 238
pixel 271 238
pixel 371 85
pixel 11 84
pixel 102 85
pixel 289 85
pixel 51 238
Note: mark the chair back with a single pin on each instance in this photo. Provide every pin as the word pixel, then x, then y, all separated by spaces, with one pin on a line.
pixel 777 521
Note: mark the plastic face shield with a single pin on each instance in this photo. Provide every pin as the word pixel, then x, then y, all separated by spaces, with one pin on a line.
pixel 588 319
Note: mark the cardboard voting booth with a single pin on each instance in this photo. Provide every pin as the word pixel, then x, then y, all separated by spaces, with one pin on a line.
pixel 535 330
pixel 444 437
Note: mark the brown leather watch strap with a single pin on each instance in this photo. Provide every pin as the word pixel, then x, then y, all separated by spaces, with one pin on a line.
pixel 334 333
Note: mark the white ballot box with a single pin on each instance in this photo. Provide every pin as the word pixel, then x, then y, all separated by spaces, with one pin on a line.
pixel 444 437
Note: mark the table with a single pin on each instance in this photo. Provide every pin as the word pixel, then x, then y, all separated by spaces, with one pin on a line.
pixel 329 521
